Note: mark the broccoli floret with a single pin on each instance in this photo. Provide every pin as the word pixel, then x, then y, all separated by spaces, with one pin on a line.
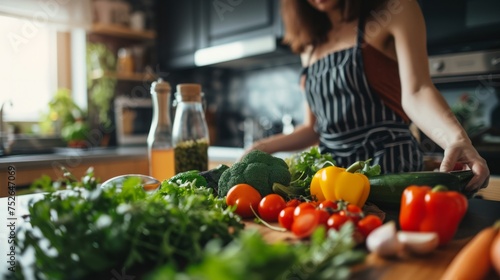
pixel 258 169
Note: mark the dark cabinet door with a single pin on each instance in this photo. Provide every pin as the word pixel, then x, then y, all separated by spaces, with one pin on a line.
pixel 179 32
pixel 189 25
pixel 231 20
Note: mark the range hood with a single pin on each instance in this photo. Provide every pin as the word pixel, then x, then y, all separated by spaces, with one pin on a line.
pixel 254 52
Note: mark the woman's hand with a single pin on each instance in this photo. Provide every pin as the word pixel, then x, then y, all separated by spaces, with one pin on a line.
pixel 466 154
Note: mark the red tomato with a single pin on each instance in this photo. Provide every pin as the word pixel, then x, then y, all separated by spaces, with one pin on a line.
pixel 270 207
pixel 243 196
pixel 303 207
pixel 354 209
pixel 323 216
pixel 353 216
pixel 293 202
pixel 305 223
pixel 368 224
pixel 336 221
pixel 329 205
pixel 285 218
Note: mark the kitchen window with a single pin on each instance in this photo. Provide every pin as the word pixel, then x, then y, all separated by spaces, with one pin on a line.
pixel 28 72
pixel 43 50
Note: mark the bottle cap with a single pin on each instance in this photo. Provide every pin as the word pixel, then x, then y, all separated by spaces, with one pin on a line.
pixel 160 86
pixel 189 92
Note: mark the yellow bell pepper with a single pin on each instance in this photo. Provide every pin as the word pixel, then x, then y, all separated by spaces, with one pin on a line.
pixel 336 183
pixel 315 187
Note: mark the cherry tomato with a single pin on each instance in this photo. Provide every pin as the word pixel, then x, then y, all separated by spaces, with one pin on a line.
pixel 353 208
pixel 329 206
pixel 285 218
pixel 303 207
pixel 270 207
pixel 336 221
pixel 243 196
pixel 305 223
pixel 323 216
pixel 293 202
pixel 368 224
pixel 354 213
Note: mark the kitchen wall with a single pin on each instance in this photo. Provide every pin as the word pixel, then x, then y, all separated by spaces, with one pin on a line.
pixel 246 105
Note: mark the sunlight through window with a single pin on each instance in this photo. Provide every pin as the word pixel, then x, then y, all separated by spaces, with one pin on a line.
pixel 28 74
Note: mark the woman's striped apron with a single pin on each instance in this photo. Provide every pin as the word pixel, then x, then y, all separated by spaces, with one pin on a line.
pixel 352 120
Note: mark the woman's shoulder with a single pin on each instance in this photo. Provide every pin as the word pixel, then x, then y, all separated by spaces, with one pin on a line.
pixel 395 13
pixel 395 18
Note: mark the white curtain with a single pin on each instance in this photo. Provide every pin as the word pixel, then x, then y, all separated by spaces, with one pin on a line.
pixel 66 14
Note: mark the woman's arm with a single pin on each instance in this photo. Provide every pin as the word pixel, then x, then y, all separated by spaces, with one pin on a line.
pixel 421 100
pixel 302 137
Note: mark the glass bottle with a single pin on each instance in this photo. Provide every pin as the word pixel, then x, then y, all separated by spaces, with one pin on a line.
pixel 160 149
pixel 190 130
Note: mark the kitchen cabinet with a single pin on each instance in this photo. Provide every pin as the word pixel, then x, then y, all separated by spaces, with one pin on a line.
pixel 187 26
pixel 179 32
pixel 232 20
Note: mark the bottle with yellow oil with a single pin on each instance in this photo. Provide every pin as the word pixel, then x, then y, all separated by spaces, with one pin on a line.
pixel 160 149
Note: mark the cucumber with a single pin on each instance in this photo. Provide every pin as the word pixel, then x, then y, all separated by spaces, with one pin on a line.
pixel 386 190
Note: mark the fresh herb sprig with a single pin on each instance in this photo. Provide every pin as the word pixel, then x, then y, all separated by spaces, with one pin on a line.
pixel 305 164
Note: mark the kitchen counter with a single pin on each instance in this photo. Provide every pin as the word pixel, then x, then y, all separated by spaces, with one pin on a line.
pixel 481 213
pixel 107 163
pixel 72 156
pixel 110 162
pixel 22 170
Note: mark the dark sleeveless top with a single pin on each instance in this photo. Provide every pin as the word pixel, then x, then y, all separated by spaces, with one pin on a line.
pixel 354 122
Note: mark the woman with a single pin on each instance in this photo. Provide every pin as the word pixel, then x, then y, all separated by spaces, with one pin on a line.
pixel 365 77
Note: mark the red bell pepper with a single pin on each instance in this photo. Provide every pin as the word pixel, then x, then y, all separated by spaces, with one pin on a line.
pixel 432 210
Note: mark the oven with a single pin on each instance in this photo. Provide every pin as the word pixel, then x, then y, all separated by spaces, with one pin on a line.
pixel 133 120
pixel 470 83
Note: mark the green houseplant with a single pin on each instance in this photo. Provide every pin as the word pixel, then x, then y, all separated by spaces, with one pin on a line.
pixel 101 87
pixel 66 118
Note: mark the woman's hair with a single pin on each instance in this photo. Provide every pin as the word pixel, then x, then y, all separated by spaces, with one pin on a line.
pixel 304 25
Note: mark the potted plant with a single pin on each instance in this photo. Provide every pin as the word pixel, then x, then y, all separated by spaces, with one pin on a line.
pixel 101 87
pixel 67 119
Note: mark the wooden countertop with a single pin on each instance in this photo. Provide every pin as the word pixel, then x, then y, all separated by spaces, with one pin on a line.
pixel 481 213
pixel 492 192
